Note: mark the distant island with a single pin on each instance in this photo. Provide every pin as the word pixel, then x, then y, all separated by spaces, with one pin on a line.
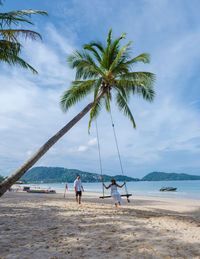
pixel 161 176
pixel 60 174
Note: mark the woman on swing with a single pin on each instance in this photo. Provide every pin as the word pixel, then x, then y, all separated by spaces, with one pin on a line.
pixel 114 193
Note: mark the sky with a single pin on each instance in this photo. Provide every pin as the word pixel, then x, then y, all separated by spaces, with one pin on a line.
pixel 167 137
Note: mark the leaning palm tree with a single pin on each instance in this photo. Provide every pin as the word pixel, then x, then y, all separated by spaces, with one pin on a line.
pixel 10 46
pixel 103 70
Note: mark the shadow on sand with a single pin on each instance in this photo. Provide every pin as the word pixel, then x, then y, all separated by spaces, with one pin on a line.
pixel 45 228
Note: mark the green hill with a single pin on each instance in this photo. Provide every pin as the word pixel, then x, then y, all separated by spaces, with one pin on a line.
pixel 160 176
pixel 60 174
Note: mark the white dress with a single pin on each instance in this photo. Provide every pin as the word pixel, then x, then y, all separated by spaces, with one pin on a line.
pixel 115 194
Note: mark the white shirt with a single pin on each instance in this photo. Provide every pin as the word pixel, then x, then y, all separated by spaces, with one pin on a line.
pixel 78 185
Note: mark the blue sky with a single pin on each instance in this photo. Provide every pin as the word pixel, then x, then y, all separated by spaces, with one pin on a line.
pixel 168 130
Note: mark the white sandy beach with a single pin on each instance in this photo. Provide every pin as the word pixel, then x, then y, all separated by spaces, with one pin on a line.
pixel 49 226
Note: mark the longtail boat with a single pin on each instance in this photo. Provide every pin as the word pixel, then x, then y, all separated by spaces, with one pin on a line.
pixel 41 191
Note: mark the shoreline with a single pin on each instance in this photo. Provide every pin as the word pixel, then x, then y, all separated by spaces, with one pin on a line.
pixel 49 226
pixel 170 195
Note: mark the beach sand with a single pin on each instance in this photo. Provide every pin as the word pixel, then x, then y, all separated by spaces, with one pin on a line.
pixel 49 226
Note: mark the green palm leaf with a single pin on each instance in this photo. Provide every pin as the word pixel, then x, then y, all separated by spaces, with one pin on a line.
pixel 97 45
pixel 119 55
pixel 15 17
pixel 114 48
pixel 10 46
pixel 122 105
pixel 93 50
pixel 145 58
pixel 12 35
pixel 97 88
pixel 94 113
pixel 78 90
pixel 107 100
pixel 140 83
pixel 84 64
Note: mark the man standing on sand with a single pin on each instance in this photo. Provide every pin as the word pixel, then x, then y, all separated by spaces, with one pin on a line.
pixel 78 187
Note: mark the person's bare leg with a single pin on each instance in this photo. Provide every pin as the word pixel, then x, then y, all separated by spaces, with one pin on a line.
pixel 79 199
pixel 76 198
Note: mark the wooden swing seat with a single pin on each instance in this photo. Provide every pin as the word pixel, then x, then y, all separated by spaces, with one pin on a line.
pixel 109 196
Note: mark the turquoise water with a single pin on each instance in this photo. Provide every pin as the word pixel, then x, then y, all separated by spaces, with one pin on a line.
pixel 185 189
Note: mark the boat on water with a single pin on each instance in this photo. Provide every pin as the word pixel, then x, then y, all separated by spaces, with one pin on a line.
pixel 168 189
pixel 41 191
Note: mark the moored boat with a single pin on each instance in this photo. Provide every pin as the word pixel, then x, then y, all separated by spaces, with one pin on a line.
pixel 168 189
pixel 41 191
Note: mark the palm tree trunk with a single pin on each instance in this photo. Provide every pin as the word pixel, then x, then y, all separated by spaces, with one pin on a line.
pixel 6 184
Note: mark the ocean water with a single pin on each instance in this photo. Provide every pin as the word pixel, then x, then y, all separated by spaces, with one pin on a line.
pixel 185 189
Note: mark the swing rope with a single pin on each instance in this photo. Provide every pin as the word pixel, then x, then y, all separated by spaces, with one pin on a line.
pixel 127 195
pixel 119 156
pixel 99 151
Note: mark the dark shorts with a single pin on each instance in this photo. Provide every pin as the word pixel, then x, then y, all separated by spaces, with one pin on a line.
pixel 79 193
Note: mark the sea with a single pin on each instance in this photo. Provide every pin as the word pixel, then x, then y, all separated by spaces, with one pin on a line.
pixel 185 189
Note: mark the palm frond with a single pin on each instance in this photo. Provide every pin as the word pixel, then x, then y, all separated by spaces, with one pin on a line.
pixel 84 64
pixel 19 61
pixel 124 90
pixel 121 68
pixel 12 35
pixel 147 93
pixel 123 106
pixel 9 53
pixel 105 58
pixel 145 58
pixel 107 99
pixel 116 42
pixel 140 83
pixel 15 17
pixel 98 45
pixel 94 113
pixel 97 88
pixel 119 55
pixel 109 38
pixel 139 77
pixel 114 48
pixel 93 50
pixel 78 90
pixel 9 44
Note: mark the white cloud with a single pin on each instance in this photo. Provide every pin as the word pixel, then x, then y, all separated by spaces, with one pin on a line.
pixel 62 41
pixel 92 142
pixel 29 152
pixel 82 148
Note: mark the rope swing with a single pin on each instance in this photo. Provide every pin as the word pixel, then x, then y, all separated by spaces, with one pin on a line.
pixel 100 163
pixel 127 195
